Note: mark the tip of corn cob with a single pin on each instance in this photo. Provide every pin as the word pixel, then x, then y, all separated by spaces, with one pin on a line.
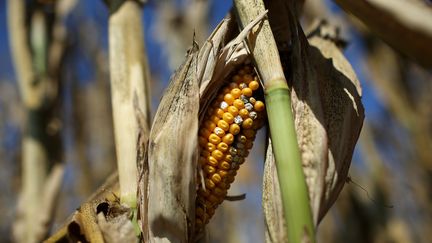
pixel 225 137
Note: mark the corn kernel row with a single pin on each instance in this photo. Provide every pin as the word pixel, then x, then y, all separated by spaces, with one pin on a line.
pixel 225 138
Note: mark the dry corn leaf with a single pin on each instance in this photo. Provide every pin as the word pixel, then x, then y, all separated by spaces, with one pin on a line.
pixel 326 102
pixel 404 25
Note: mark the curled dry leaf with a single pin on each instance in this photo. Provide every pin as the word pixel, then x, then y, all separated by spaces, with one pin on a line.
pixel 326 102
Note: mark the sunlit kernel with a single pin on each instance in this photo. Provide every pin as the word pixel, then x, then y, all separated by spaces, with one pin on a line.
pixel 219 131
pixel 228 139
pixel 234 129
pixel 236 92
pixel 253 85
pixel 228 117
pixel 238 103
pixel 233 110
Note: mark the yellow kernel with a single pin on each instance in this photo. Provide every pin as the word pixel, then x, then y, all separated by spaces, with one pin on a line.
pixel 219 131
pixel 210 184
pixel 247 92
pixel 247 123
pixel 219 113
pixel 228 158
pixel 236 92
pixel 224 165
pixel 212 161
pixel 233 110
pixel 228 139
pixel 211 147
pixel 247 78
pixel 254 85
pixel 229 98
pixel 238 103
pixel 214 139
pixel 259 106
pixel 234 129
pixel 214 119
pixel 228 117
pixel 222 173
pixel 222 147
pixel 217 154
pixel 209 169
pixel 244 113
pixel 216 178
pixel 224 125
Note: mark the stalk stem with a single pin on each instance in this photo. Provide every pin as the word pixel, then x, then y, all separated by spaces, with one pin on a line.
pixel 261 43
pixel 129 87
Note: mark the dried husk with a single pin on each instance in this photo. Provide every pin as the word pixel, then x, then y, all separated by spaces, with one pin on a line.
pixel 172 149
pixel 328 113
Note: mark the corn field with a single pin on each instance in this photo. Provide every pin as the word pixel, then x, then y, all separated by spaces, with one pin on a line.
pixel 216 121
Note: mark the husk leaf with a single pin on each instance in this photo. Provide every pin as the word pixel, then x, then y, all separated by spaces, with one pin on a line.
pixel 172 149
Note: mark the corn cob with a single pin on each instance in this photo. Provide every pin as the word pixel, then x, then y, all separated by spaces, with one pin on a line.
pixel 225 137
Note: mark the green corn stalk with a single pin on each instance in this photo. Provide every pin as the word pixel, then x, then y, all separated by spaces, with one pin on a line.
pixel 293 187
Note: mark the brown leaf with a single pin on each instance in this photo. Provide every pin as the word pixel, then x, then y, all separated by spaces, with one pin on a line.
pixel 326 101
pixel 404 25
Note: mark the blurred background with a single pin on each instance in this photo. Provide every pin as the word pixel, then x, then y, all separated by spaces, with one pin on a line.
pixel 387 199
